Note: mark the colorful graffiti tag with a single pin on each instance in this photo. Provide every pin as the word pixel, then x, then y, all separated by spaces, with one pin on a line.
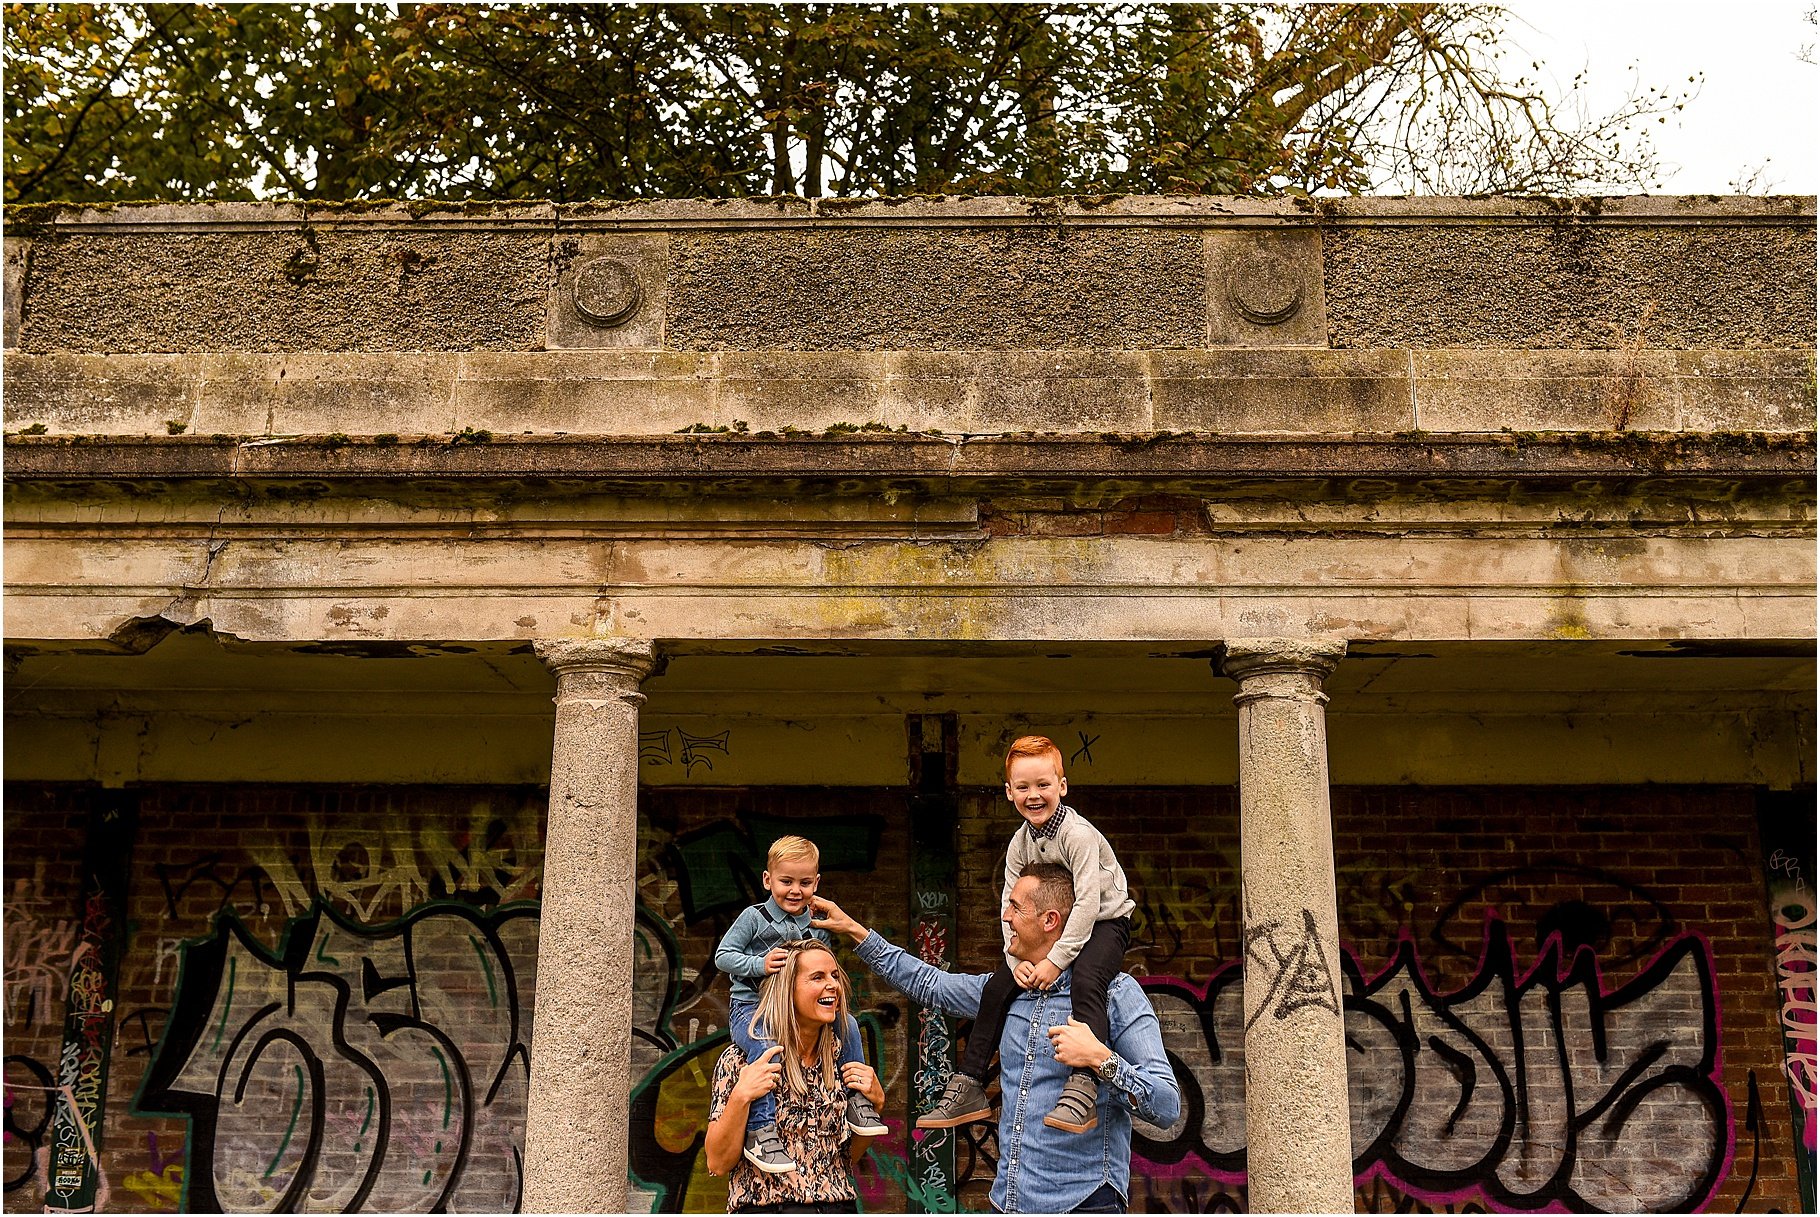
pixel 1518 1091
pixel 357 1068
pixel 1787 825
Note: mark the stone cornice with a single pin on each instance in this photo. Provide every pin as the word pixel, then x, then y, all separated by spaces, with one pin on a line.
pixel 857 463
pixel 914 212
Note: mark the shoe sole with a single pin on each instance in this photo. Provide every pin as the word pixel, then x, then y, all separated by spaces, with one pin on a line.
pixel 867 1130
pixel 1065 1126
pixel 768 1169
pixel 955 1121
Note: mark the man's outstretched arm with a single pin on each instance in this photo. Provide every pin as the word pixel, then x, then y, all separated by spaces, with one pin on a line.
pixel 923 984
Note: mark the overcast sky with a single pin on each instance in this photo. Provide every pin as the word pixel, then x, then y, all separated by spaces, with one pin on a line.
pixel 1758 111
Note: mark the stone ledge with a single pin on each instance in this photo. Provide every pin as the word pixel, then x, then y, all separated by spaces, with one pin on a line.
pixel 1308 392
pixel 859 463
pixel 913 211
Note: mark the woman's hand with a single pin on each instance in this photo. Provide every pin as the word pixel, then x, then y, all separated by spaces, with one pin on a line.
pixel 759 1078
pixel 863 1078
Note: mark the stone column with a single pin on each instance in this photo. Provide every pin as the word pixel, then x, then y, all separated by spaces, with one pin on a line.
pixel 1297 1131
pixel 581 1040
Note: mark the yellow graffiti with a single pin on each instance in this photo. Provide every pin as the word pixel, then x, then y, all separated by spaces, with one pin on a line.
pixel 161 1192
pixel 682 1115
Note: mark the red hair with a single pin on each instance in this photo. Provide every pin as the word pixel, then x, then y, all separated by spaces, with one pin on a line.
pixel 1037 746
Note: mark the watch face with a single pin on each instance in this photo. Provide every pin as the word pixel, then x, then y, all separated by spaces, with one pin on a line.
pixel 1109 1068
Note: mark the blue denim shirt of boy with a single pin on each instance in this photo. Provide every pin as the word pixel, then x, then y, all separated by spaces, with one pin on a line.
pixel 1042 1169
pixel 742 949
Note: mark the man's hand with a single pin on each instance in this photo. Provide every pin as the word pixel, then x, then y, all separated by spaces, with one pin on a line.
pixel 835 920
pixel 759 1078
pixel 1076 1046
pixel 774 960
pixel 859 1076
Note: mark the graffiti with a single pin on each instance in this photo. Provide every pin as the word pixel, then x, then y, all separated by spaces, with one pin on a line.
pixel 75 1178
pixel 654 747
pixel 920 1195
pixel 1618 920
pixel 223 885
pixel 692 750
pixel 30 1091
pixel 1084 753
pixel 1786 823
pixel 670 1127
pixel 1516 1091
pixel 1299 978
pixel 717 868
pixel 160 1187
pixel 1795 961
pixel 358 1067
pixel 39 949
pixel 375 870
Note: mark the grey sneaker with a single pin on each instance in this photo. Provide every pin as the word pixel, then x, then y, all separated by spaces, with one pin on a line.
pixel 766 1152
pixel 962 1102
pixel 1078 1108
pixel 862 1117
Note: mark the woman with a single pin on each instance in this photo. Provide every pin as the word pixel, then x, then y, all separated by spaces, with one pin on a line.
pixel 802 1006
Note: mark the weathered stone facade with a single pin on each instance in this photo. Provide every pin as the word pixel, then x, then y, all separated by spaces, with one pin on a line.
pixel 311 513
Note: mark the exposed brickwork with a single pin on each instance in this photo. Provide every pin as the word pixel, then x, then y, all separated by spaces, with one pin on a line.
pixel 1633 872
pixel 43 870
pixel 1644 876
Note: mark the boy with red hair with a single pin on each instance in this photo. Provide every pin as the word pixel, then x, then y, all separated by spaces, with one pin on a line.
pixel 1094 940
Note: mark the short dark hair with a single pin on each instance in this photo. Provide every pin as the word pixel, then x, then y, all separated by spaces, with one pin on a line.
pixel 1054 885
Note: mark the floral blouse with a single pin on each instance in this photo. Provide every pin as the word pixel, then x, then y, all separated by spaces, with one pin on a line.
pixel 813 1128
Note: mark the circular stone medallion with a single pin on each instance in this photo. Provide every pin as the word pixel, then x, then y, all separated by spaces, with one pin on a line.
pixel 606 292
pixel 1265 288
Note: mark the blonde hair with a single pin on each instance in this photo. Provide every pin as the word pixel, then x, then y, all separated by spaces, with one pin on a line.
pixel 775 1019
pixel 1034 745
pixel 785 848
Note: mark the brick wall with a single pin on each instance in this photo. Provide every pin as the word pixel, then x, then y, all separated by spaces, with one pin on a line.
pixel 398 917
pixel 44 833
pixel 1443 891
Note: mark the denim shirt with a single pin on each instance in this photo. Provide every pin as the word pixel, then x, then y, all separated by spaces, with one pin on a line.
pixel 1042 1169
pixel 742 949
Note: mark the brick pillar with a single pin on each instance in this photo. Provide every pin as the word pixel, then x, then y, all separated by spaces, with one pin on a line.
pixel 581 1044
pixel 1298 1138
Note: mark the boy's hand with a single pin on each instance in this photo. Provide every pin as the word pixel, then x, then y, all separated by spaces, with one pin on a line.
pixel 1042 974
pixel 860 1076
pixel 774 960
pixel 759 1078
pixel 1076 1046
pixel 835 920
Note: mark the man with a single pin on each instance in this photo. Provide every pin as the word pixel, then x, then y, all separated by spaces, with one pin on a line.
pixel 1040 1169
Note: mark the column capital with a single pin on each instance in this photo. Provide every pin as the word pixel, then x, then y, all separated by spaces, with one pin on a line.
pixel 1242 658
pixel 634 656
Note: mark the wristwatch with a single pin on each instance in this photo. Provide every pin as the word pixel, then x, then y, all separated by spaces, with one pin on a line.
pixel 1108 1069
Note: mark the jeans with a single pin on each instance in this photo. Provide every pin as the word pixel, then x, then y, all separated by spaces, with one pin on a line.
pixel 739 1023
pixel 1105 1199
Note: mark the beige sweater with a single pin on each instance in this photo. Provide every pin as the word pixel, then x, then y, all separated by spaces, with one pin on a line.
pixel 1100 890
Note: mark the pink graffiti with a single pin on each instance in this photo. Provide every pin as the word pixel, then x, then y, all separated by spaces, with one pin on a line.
pixel 1622 1099
pixel 1795 967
